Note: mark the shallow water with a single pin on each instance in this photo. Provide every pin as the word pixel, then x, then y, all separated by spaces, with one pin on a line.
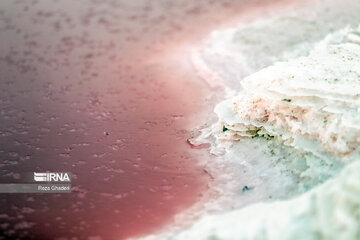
pixel 105 90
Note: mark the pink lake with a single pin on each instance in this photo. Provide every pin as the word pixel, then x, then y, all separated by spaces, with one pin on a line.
pixel 105 90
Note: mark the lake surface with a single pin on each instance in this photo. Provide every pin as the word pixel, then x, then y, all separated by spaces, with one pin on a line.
pixel 104 90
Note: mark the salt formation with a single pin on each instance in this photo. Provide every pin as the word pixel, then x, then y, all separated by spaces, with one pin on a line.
pixel 233 53
pixel 310 104
pixel 331 212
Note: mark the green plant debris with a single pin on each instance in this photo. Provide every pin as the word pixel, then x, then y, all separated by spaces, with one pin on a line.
pixel 256 133
pixel 246 188
pixel 286 100
pixel 272 152
pixel 265 135
pixel 224 128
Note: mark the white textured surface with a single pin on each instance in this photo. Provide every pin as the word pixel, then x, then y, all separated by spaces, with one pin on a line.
pixel 309 102
pixel 304 102
pixel 331 211
pixel 236 52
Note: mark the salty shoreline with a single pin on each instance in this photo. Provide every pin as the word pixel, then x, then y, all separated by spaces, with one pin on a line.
pixel 224 60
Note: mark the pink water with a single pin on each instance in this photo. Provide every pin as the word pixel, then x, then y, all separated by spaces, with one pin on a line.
pixel 105 90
